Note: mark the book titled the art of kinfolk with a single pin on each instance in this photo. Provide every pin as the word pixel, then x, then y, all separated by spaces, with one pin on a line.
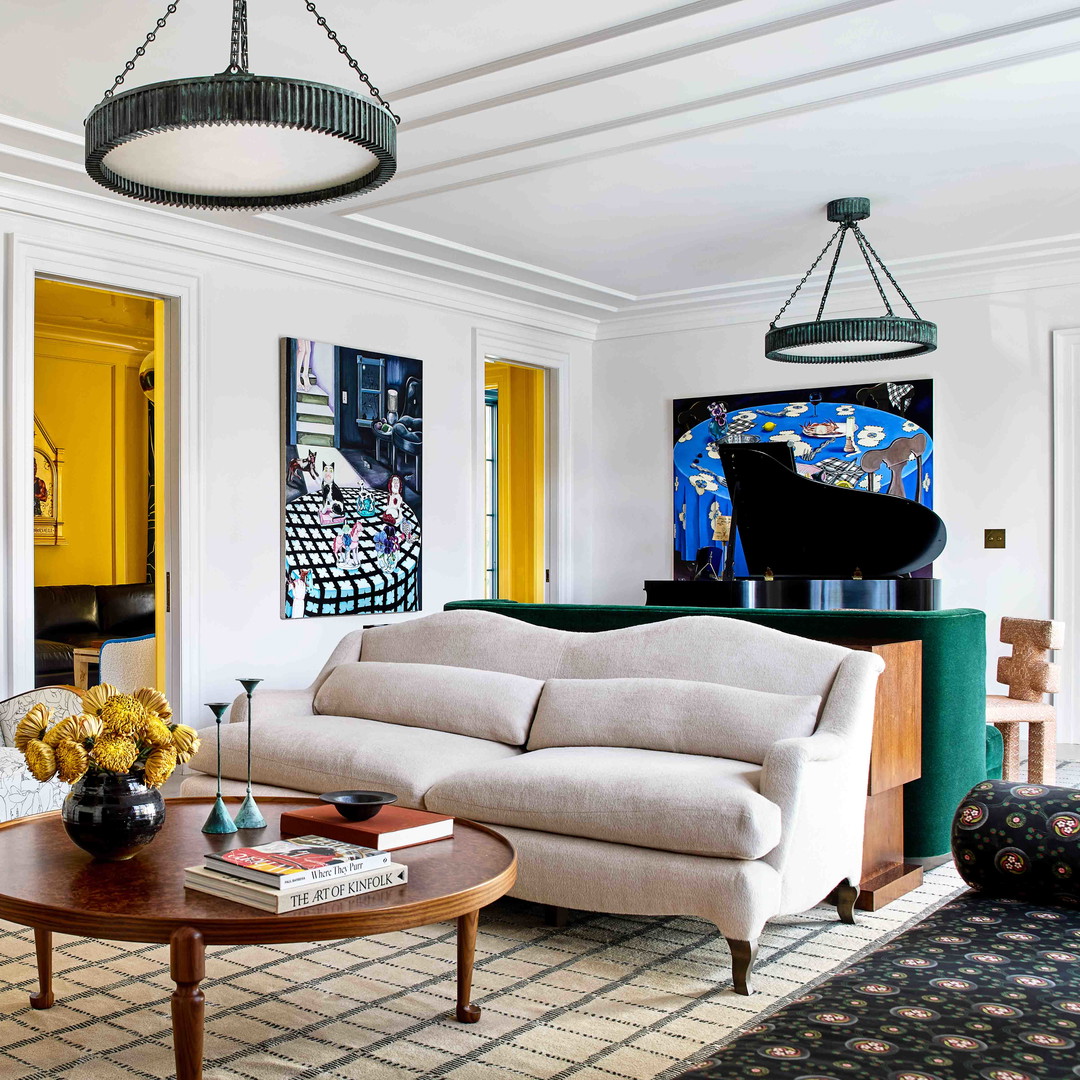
pixel 298 862
pixel 281 901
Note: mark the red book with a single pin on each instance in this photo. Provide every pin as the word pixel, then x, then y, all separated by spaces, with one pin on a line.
pixel 391 828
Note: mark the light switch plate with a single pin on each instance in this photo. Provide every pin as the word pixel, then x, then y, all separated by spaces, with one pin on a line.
pixel 994 538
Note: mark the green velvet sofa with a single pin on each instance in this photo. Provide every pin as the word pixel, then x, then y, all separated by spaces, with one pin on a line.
pixel 959 749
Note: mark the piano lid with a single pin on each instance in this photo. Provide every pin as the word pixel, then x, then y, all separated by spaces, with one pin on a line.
pixel 792 526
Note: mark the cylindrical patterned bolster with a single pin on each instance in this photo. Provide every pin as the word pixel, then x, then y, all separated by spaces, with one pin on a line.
pixel 1020 840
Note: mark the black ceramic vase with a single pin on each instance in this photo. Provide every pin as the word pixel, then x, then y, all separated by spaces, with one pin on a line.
pixel 113 815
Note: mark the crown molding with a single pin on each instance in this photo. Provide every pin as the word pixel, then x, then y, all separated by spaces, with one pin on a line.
pixel 266 243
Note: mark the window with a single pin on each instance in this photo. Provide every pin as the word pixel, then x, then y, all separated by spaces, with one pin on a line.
pixel 491 494
pixel 372 385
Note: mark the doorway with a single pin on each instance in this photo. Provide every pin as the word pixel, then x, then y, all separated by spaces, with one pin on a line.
pixel 100 438
pixel 515 481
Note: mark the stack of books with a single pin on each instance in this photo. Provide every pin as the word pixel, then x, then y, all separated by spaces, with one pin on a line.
pixel 287 875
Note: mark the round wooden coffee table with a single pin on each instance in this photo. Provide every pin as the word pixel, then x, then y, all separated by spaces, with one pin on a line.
pixel 51 885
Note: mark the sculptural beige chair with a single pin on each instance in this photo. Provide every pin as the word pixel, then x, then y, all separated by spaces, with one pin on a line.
pixel 1029 675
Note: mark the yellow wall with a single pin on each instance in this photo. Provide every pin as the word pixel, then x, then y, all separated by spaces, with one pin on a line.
pixel 87 349
pixel 521 480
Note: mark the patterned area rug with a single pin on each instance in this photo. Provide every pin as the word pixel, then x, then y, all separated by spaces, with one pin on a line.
pixel 985 987
pixel 605 998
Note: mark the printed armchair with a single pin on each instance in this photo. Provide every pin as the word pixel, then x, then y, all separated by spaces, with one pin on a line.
pixel 20 794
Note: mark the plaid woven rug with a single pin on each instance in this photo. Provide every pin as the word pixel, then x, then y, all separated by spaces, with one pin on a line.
pixel 605 998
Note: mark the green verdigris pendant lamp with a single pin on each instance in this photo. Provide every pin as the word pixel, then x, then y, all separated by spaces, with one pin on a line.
pixel 236 140
pixel 838 341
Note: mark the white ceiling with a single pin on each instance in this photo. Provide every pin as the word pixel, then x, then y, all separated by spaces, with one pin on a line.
pixel 594 156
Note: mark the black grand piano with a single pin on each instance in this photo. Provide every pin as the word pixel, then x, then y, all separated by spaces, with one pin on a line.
pixel 850 549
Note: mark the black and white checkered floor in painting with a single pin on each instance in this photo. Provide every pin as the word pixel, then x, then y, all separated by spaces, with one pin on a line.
pixel 363 588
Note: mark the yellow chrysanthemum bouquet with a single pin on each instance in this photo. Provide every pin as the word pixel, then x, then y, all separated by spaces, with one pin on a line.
pixel 115 733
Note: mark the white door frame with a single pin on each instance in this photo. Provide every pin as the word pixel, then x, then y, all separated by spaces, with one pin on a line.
pixel 1066 514
pixel 490 344
pixel 27 260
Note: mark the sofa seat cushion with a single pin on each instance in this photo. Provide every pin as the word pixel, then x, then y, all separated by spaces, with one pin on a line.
pixel 333 753
pixel 648 798
pixel 676 715
pixel 53 657
pixel 481 704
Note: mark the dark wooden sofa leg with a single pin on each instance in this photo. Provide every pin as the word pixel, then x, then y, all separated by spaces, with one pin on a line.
pixel 555 916
pixel 846 895
pixel 743 955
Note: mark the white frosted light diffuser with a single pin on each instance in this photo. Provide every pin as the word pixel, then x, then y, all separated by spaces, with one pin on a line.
pixel 852 348
pixel 230 159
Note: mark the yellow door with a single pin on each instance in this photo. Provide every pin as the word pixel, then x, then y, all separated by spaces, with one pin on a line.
pixel 161 561
pixel 520 488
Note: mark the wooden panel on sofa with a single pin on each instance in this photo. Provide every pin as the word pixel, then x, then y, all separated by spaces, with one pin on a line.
pixel 895 759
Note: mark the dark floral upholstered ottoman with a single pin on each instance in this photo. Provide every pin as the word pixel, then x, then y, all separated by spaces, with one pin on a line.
pixel 987 987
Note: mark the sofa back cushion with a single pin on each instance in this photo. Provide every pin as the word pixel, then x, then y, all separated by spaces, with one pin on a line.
pixel 126 611
pixel 64 611
pixel 699 648
pixel 468 639
pixel 482 704
pixel 670 714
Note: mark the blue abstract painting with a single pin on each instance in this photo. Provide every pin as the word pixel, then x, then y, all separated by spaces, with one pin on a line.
pixel 876 437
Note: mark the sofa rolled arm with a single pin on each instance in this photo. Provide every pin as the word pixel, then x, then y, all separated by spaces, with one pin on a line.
pixel 274 704
pixel 819 783
pixel 792 754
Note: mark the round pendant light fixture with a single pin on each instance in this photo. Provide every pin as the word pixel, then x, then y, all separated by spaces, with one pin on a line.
pixel 236 140
pixel 837 341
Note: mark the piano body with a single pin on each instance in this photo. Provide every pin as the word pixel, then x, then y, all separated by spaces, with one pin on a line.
pixel 811 545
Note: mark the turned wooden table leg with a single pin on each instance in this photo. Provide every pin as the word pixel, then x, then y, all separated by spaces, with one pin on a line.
pixel 43 999
pixel 188 969
pixel 467 1012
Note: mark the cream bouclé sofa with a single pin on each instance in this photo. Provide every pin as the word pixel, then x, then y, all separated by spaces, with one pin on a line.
pixel 697 766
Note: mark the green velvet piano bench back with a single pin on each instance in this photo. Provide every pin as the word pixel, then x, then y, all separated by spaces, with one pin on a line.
pixel 958 748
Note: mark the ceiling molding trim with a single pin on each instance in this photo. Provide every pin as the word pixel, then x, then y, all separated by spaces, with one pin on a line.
pixel 451 245
pixel 54 205
pixel 758 90
pixel 641 63
pixel 457 267
pixel 738 122
pixel 31 128
pixel 1003 268
pixel 608 33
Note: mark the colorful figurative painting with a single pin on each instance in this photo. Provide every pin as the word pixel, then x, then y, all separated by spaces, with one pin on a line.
pixel 877 437
pixel 353 455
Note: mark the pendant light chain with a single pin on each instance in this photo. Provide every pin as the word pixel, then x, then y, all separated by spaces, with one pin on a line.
pixel 813 267
pixel 832 273
pixel 352 63
pixel 140 52
pixel 238 51
pixel 861 241
pixel 888 273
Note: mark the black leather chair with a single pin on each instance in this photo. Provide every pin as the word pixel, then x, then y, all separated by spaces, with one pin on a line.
pixel 408 438
pixel 67 617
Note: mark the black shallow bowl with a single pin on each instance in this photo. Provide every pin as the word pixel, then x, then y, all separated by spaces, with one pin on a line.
pixel 358 805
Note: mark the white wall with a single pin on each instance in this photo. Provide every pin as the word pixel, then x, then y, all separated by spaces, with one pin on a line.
pixel 245 307
pixel 992 434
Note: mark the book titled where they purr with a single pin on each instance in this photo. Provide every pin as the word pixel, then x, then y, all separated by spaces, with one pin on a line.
pixel 292 864
pixel 280 901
